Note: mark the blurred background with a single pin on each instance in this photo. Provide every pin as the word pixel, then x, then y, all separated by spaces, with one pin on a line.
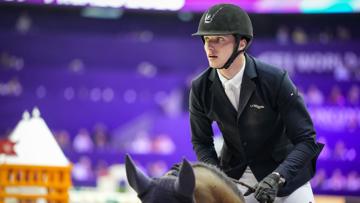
pixel 112 77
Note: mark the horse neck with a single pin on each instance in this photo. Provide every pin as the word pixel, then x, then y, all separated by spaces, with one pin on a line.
pixel 210 188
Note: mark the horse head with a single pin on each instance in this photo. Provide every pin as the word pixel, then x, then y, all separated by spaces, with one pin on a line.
pixel 164 189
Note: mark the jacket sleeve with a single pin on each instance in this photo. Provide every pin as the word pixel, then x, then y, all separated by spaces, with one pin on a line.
pixel 201 131
pixel 299 129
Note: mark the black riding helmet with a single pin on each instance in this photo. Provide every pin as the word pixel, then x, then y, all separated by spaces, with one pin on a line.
pixel 225 19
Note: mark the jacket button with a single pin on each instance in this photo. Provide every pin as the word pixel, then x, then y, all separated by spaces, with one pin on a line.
pixel 244 144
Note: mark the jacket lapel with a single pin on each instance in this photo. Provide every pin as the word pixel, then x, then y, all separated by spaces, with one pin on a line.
pixel 248 86
pixel 218 96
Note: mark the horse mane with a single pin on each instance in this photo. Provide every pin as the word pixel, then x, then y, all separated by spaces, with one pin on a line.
pixel 210 182
pixel 194 183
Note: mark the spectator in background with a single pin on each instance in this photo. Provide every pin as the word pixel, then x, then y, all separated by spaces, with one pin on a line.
pixel 314 96
pixel 299 36
pixel 101 168
pixel 100 136
pixel 353 96
pixel 342 33
pixel 172 103
pixel 319 180
pixel 82 170
pixel 353 123
pixel 23 23
pixel 353 181
pixel 325 36
pixel 282 35
pixel 342 73
pixel 141 143
pixel 63 139
pixel 356 73
pixel 83 142
pixel 163 144
pixel 339 150
pixel 336 182
pixel 11 88
pixel 336 96
pixel 13 62
pixel 15 87
pixel 157 168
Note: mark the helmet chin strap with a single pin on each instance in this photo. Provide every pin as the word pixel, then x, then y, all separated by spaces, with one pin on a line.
pixel 234 54
pixel 231 59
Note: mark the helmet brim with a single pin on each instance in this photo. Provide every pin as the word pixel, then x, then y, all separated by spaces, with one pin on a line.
pixel 212 33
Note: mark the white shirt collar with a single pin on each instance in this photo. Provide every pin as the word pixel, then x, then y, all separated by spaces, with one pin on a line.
pixel 236 80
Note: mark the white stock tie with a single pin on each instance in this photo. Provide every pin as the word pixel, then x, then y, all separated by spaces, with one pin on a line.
pixel 230 92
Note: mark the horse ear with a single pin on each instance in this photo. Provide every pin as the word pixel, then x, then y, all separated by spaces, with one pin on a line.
pixel 139 181
pixel 185 183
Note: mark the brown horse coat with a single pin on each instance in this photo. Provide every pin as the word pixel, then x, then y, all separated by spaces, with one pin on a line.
pixel 212 186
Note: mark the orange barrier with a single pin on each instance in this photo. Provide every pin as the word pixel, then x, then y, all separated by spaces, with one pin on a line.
pixel 54 181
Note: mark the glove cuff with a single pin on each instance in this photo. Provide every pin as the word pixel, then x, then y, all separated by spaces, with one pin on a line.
pixel 280 179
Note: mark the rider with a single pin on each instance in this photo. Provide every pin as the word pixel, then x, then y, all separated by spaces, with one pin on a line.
pixel 269 138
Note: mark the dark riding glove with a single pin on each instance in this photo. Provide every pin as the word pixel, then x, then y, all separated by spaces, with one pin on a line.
pixel 267 189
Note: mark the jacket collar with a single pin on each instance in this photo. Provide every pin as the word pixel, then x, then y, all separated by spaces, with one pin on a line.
pixel 250 70
pixel 247 88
